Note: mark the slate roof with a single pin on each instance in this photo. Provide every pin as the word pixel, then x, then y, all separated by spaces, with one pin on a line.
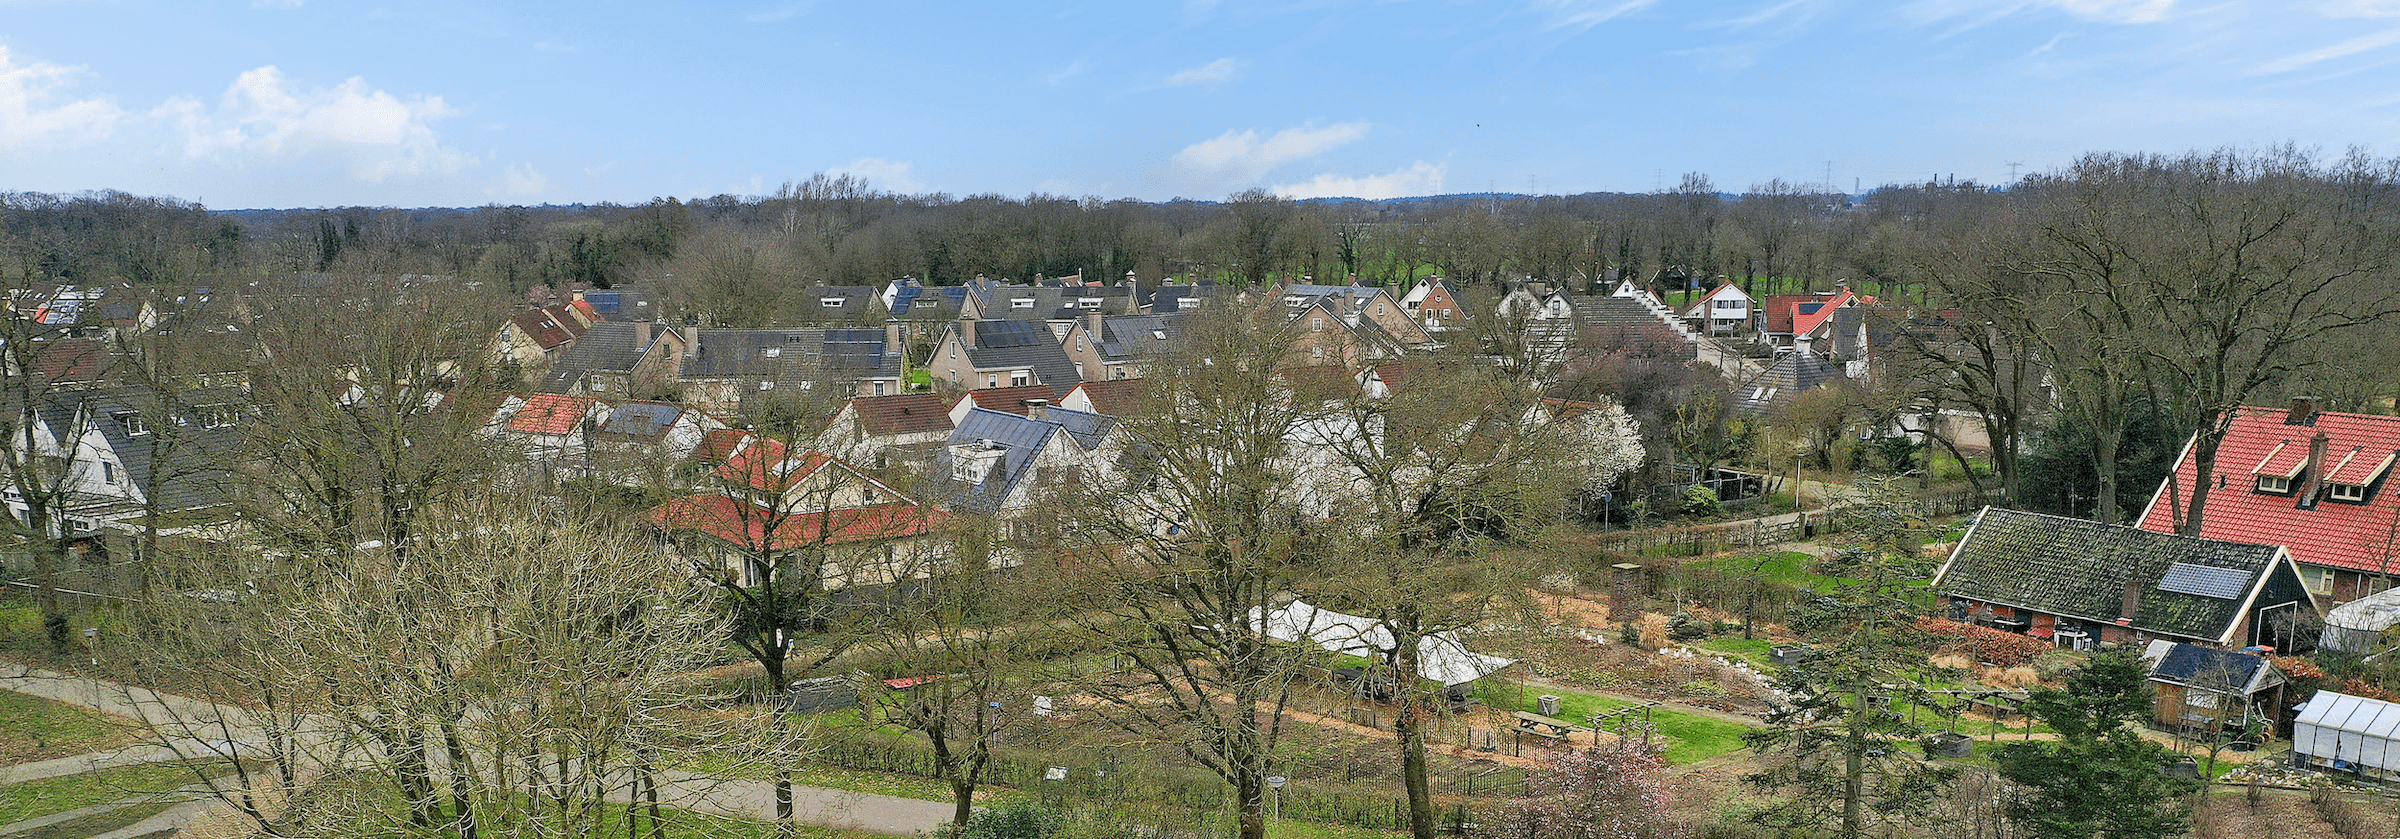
pixel 185 473
pixel 1134 337
pixel 1015 344
pixel 2079 569
pixel 2336 534
pixel 1792 375
pixel 1020 438
pixel 1168 299
pixel 754 528
pixel 906 413
pixel 1051 303
pixel 790 356
pixel 608 347
pixel 858 302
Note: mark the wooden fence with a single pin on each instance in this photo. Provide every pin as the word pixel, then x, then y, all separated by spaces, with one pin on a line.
pixel 1701 540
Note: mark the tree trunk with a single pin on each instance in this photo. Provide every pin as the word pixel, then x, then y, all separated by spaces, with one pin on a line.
pixel 1410 729
pixel 2204 456
pixel 783 804
pixel 1854 769
pixel 1250 791
pixel 461 803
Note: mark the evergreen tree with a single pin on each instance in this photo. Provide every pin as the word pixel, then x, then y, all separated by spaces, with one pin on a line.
pixel 2100 780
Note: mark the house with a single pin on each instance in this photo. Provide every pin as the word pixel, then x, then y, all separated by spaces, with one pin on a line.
pixel 132 451
pixel 1797 320
pixel 618 360
pixel 638 444
pixel 549 430
pixel 534 339
pixel 1562 324
pixel 2309 479
pixel 1359 306
pixel 728 369
pixel 1724 310
pixel 979 354
pixel 2197 689
pixel 1789 376
pixel 620 303
pixel 843 305
pixel 2078 581
pixel 997 462
pixel 1129 343
pixel 1003 302
pixel 1435 305
pixel 1173 299
pixel 1115 398
pixel 879 431
pixel 793 507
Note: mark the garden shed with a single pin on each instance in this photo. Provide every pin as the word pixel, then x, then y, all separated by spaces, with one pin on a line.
pixel 2344 733
pixel 2353 627
pixel 2196 688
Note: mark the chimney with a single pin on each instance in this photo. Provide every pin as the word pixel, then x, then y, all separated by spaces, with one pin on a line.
pixel 1091 325
pixel 966 334
pixel 2304 411
pixel 2315 468
pixel 641 334
pixel 1037 409
pixel 2132 604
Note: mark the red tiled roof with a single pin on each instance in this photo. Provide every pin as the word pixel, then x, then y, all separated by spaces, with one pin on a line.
pixel 905 413
pixel 753 527
pixel 590 315
pixel 1783 309
pixel 720 444
pixel 550 413
pixel 1116 397
pixel 549 326
pixel 2335 533
pixel 1803 324
pixel 1011 399
pixel 70 360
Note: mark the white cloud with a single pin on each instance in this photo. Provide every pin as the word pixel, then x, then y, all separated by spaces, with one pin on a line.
pixel 523 180
pixel 1220 70
pixel 2354 46
pixel 2104 11
pixel 1579 15
pixel 1238 158
pixel 554 47
pixel 889 175
pixel 1419 178
pixel 376 134
pixel 2360 8
pixel 27 112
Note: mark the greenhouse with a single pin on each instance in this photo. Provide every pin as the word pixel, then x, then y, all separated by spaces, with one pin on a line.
pixel 2353 627
pixel 2343 733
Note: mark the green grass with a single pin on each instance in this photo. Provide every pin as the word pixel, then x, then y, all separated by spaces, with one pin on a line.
pixel 1753 650
pixel 1692 737
pixel 33 799
pixel 96 823
pixel 33 728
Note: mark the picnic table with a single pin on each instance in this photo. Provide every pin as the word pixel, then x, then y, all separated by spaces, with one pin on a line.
pixel 1548 727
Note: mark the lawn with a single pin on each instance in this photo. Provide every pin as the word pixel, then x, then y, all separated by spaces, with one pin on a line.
pixel 1693 737
pixel 32 799
pixel 1753 650
pixel 33 728
pixel 96 823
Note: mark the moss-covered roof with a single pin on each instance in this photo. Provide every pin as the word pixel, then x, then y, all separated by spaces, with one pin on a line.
pixel 2079 569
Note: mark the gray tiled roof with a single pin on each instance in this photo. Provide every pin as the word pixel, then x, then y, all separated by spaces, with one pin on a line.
pixel 1016 344
pixel 1021 438
pixel 2079 569
pixel 1794 374
pixel 1135 337
pixel 789 355
pixel 179 460
pixel 608 347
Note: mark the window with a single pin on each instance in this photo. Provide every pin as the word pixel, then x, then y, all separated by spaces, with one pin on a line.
pixel 1021 303
pixel 1018 378
pixel 1316 353
pixel 108 473
pixel 766 384
pixel 1120 372
pixel 808 385
pixel 1729 304
pixel 953 350
pixel 216 416
pixel 2277 484
pixel 133 423
pixel 1316 324
pixel 831 302
pixel 2346 492
pixel 772 352
pixel 2318 580
pixel 1079 345
pixel 991 380
pixel 1159 334
pixel 1188 303
pixel 878 388
pixel 1087 303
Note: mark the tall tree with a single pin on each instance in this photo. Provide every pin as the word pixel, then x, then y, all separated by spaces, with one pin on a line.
pixel 2101 779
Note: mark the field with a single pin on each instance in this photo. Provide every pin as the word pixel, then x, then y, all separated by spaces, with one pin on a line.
pixel 33 728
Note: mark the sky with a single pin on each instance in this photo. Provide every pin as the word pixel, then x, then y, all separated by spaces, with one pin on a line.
pixel 318 103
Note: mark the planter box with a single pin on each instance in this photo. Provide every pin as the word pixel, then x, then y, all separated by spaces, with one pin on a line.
pixel 1949 744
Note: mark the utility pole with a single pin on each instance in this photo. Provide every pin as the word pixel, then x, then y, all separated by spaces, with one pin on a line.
pixel 2012 171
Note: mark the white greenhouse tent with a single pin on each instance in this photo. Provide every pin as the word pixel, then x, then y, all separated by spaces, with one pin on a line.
pixel 1441 657
pixel 2353 627
pixel 2344 733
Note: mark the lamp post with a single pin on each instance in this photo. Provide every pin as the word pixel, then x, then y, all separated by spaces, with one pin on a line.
pixel 1796 482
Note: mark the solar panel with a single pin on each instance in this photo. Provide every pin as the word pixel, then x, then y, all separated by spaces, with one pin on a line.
pixel 2220 583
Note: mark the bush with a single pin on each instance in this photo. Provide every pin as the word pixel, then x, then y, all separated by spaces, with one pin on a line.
pixel 2053 666
pixel 1015 821
pixel 1681 627
pixel 1700 501
pixel 1983 643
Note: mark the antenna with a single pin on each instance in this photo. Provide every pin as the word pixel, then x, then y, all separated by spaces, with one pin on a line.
pixel 1828 175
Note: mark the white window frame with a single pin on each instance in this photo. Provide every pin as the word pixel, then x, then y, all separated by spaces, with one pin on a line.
pixel 134 425
pixel 2346 492
pixel 1021 303
pixel 831 302
pixel 2276 484
pixel 2316 580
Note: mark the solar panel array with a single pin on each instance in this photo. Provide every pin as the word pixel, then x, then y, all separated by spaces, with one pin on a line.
pixel 1003 334
pixel 2204 581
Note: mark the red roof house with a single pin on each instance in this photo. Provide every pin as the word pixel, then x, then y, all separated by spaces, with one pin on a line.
pixel 551 413
pixel 2313 481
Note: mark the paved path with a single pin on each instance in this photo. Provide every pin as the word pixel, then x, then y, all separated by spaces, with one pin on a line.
pixel 871 812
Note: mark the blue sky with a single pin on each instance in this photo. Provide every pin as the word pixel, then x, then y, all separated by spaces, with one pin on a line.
pixel 286 103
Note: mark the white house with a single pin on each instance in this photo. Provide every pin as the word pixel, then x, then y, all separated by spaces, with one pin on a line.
pixel 1723 311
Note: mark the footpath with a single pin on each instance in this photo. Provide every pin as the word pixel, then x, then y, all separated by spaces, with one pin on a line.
pixel 734 797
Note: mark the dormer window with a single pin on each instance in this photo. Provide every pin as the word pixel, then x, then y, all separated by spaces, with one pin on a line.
pixel 2276 484
pixel 2346 492
pixel 772 352
pixel 216 416
pixel 1159 334
pixel 1087 302
pixel 2280 468
pixel 1188 303
pixel 831 302
pixel 1021 303
pixel 134 426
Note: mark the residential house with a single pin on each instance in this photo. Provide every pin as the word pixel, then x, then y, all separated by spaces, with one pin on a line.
pixel 1799 320
pixel 1115 398
pixel 1128 344
pixel 639 444
pixel 1563 325
pixel 2306 478
pixel 1436 305
pixel 795 507
pixel 1786 378
pixel 1358 305
pixel 999 463
pixel 2201 690
pixel 1724 310
pixel 881 431
pixel 550 431
pixel 534 339
pixel 2079 581
pixel 981 354
pixel 1175 299
pixel 847 305
pixel 729 369
pixel 619 361
pixel 132 451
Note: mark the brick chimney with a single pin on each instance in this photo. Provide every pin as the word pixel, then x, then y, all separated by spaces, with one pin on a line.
pixel 1037 409
pixel 2315 469
pixel 641 335
pixel 2131 604
pixel 2304 411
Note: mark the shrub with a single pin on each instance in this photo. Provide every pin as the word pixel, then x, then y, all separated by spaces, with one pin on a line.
pixel 1984 643
pixel 1700 501
pixel 1015 821
pixel 2054 665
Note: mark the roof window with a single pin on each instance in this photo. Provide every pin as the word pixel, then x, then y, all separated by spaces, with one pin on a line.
pixel 1021 303
pixel 831 302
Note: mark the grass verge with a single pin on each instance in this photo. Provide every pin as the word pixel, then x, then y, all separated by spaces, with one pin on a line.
pixel 1691 737
pixel 33 728
pixel 34 799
